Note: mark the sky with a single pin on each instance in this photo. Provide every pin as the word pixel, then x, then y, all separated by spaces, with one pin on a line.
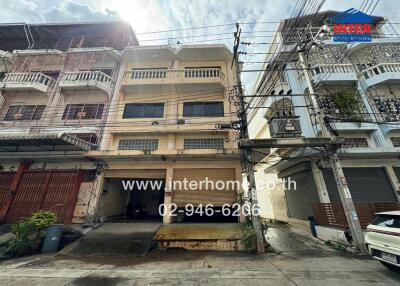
pixel 160 15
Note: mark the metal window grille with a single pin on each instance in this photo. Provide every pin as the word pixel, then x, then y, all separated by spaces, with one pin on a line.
pixel 83 111
pixel 395 141
pixel 204 143
pixel 24 112
pixel 355 142
pixel 138 144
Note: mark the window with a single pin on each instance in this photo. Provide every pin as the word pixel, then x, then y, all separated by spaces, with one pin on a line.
pixel 83 111
pixel 204 143
pixel 144 110
pixel 395 141
pixel 88 137
pixel 138 144
pixel 355 142
pixel 387 221
pixel 24 112
pixel 212 109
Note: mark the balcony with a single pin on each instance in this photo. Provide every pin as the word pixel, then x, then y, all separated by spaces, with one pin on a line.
pixel 150 79
pixel 27 81
pixel 381 73
pixel 331 73
pixel 87 80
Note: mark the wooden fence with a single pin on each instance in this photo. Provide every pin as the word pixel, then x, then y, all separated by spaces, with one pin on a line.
pixel 333 215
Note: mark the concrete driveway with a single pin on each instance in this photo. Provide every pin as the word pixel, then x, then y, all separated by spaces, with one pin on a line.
pixel 120 239
pixel 303 262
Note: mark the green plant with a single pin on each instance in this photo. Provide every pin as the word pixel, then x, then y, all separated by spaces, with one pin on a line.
pixel 43 219
pixel 248 236
pixel 347 103
pixel 28 233
pixel 23 229
pixel 19 247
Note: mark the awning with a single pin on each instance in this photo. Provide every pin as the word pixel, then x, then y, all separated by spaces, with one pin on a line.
pixel 42 142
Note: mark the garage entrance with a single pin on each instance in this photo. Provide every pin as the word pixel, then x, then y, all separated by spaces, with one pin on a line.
pixel 125 199
pixel 50 190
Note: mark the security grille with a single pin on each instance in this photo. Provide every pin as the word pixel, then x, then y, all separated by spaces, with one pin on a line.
pixel 138 144
pixel 395 141
pixel 204 143
pixel 355 142
pixel 24 112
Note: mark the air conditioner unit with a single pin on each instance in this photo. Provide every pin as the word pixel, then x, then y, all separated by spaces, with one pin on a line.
pixel 280 127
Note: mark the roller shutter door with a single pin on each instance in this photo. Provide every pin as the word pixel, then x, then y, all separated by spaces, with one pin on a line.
pixel 216 197
pixel 301 199
pixel 367 185
pixel 397 171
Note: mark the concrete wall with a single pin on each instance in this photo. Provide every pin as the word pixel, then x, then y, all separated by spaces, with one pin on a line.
pixel 113 200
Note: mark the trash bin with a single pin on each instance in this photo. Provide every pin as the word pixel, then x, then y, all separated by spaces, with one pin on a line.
pixel 52 239
pixel 313 223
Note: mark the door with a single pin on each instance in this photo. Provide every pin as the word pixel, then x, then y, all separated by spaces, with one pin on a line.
pixel 52 190
pixel 214 194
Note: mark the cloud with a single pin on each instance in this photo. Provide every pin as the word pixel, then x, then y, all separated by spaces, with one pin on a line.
pixel 79 12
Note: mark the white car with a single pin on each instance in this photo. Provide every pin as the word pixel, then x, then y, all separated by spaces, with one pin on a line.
pixel 383 239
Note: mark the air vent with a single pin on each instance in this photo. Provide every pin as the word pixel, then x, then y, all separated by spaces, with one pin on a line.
pixel 284 127
pixel 182 121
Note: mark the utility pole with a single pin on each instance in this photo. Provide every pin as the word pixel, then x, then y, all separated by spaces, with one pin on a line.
pixel 246 153
pixel 344 192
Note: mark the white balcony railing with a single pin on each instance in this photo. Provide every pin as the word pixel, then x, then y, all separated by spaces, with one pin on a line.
pixel 89 79
pixel 331 72
pixel 332 68
pixel 88 75
pixel 179 74
pixel 27 80
pixel 380 69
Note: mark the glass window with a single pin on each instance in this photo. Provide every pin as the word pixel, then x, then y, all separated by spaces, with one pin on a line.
pixel 83 111
pixel 204 143
pixel 144 110
pixel 138 144
pixel 387 221
pixel 211 109
pixel 24 112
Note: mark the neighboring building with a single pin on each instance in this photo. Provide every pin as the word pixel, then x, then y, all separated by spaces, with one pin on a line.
pixel 162 128
pixel 56 84
pixel 357 87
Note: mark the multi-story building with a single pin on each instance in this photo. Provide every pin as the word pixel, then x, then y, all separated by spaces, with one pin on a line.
pixel 84 108
pixel 56 84
pixel 162 127
pixel 357 89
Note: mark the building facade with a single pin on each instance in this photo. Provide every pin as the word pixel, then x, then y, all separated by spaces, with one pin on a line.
pixel 85 110
pixel 57 82
pixel 357 89
pixel 163 128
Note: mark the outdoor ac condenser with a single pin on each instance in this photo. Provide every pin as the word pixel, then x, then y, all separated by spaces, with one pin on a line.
pixel 281 127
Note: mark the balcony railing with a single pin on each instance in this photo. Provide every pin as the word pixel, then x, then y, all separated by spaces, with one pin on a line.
pixel 172 76
pixel 87 79
pixel 380 69
pixel 332 68
pixel 332 72
pixel 27 81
